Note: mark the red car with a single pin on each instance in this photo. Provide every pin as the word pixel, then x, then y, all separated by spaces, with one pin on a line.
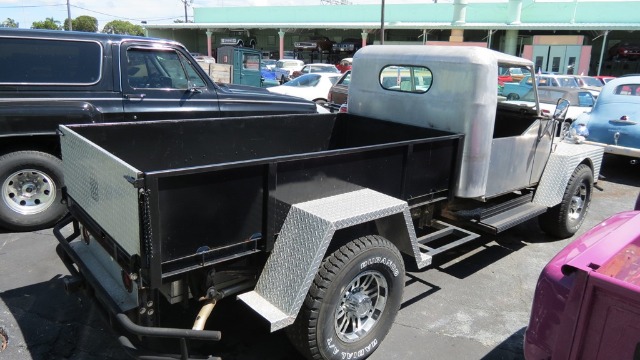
pixel 345 65
pixel 624 51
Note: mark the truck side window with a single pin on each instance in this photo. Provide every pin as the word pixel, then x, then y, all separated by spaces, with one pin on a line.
pixel 160 69
pixel 49 62
pixel 414 79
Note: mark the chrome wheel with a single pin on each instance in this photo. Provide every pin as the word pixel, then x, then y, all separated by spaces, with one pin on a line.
pixel 28 191
pixel 361 305
pixel 578 200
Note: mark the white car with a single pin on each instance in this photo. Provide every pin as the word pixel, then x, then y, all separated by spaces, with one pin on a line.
pixel 580 101
pixel 314 87
pixel 285 67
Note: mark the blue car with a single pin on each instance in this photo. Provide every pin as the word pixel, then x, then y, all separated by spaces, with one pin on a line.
pixel 614 121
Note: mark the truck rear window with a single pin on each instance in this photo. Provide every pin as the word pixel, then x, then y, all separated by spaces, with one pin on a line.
pixel 414 79
pixel 49 62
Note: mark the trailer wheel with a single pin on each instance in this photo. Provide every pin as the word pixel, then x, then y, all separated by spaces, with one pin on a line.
pixel 30 183
pixel 352 302
pixel 564 219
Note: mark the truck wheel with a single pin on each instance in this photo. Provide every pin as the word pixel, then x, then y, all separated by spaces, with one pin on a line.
pixel 564 219
pixel 30 190
pixel 352 302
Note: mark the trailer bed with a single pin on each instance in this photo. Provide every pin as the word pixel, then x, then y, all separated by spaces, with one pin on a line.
pixel 171 196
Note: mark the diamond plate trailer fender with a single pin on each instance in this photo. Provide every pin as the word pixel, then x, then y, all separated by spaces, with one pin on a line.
pixel 303 241
pixel 561 165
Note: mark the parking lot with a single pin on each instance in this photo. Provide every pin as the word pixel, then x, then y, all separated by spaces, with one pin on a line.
pixel 473 303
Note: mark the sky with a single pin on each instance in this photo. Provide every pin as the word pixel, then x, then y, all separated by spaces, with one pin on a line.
pixel 25 12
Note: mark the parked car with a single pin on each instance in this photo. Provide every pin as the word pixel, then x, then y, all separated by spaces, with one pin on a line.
pixel 345 65
pixel 590 83
pixel 624 51
pixel 604 78
pixel 269 63
pixel 338 94
pixel 348 45
pixel 580 101
pixel 509 74
pixel 614 121
pixel 314 43
pixel 587 300
pixel 316 68
pixel 511 89
pixel 314 87
pixel 239 38
pixel 87 77
pixel 285 67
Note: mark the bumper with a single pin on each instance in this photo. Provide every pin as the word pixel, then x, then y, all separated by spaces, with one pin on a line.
pixel 617 150
pixel 88 272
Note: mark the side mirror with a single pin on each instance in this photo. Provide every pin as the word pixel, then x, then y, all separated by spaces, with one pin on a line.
pixel 561 109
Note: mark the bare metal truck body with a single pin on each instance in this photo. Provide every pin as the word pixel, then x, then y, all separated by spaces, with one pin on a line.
pixel 306 217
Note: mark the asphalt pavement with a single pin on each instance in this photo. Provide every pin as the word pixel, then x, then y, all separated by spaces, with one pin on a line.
pixel 472 303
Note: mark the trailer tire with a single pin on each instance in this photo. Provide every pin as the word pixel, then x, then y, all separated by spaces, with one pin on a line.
pixel 30 182
pixel 362 281
pixel 564 219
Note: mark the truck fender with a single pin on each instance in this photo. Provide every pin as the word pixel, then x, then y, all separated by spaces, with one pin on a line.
pixel 303 241
pixel 561 164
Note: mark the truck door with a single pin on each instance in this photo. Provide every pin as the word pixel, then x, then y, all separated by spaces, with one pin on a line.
pixel 162 83
pixel 521 143
pixel 246 67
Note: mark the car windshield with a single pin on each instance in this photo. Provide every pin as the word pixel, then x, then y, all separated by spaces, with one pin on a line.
pixel 567 82
pixel 590 81
pixel 307 80
pixel 324 69
pixel 286 64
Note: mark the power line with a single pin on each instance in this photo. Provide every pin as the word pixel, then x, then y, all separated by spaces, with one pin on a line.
pixel 88 10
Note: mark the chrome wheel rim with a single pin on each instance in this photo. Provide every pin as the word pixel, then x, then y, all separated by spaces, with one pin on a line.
pixel 578 202
pixel 28 191
pixel 361 305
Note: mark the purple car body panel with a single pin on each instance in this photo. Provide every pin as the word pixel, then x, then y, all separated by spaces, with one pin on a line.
pixel 587 300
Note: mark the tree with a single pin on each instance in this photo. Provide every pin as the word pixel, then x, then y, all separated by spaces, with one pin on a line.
pixel 48 23
pixel 122 28
pixel 10 23
pixel 83 23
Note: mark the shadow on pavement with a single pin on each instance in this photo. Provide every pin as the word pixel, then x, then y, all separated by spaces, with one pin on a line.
pixel 510 349
pixel 52 325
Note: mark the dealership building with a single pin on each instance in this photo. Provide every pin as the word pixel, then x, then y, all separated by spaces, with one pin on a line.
pixel 563 36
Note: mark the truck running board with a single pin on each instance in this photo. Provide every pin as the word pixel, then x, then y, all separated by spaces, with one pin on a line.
pixel 512 217
pixel 449 237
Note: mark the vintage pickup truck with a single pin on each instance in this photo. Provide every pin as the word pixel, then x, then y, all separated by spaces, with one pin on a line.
pixel 49 78
pixel 306 218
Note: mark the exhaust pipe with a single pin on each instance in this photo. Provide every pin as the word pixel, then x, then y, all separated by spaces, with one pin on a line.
pixel 203 315
pixel 633 162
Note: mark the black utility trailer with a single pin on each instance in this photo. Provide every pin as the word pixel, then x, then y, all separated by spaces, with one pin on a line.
pixel 193 209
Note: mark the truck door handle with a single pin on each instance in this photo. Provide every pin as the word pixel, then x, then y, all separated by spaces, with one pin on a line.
pixel 135 96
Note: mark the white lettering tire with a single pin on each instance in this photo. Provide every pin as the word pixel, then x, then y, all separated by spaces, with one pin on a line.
pixel 352 302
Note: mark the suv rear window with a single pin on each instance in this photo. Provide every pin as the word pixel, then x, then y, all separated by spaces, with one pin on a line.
pixel 49 62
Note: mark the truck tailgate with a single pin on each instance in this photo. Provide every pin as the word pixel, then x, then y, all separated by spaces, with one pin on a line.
pixel 99 183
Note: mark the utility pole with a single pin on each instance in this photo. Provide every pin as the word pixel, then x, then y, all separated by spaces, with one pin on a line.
pixel 69 16
pixel 382 25
pixel 186 3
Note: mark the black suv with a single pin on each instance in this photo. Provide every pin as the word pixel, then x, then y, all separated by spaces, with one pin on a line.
pixel 49 78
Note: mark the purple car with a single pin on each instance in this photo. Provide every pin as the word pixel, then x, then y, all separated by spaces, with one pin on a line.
pixel 587 300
